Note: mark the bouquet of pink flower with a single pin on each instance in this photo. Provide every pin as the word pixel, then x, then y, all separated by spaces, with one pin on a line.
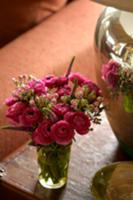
pixel 53 109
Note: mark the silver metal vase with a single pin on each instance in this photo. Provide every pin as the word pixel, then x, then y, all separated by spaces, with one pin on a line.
pixel 114 38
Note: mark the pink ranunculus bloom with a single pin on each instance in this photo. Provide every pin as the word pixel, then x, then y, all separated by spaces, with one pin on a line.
pixel 77 76
pixel 50 81
pixel 60 109
pixel 68 116
pixel 10 101
pixel 110 73
pixel 17 93
pixel 79 121
pixel 61 81
pixel 93 87
pixel 15 110
pixel 38 86
pixel 65 90
pixel 30 116
pixel 42 134
pixel 62 132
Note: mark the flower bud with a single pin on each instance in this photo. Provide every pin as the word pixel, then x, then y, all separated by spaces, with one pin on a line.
pixel 79 94
pixel 74 103
pixel 91 107
pixel 86 91
pixel 92 96
pixel 65 99
pixel 84 102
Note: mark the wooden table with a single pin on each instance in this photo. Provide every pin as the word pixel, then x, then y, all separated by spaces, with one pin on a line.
pixel 89 153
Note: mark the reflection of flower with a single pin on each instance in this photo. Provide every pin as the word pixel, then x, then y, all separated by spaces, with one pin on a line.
pixel 119 78
pixel 110 73
pixel 54 108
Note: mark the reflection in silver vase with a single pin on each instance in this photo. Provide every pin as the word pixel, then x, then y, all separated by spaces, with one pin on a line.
pixel 114 39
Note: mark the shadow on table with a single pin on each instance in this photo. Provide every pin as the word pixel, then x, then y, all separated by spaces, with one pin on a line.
pixel 49 194
pixel 120 155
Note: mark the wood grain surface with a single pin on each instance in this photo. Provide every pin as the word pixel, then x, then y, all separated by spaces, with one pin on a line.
pixel 89 153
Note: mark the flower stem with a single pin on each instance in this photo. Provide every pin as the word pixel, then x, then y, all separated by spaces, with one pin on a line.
pixel 19 128
pixel 70 67
pixel 74 88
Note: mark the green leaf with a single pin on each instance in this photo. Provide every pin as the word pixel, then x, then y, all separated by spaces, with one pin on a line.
pixel 21 128
pixel 31 143
pixel 74 88
pixel 128 103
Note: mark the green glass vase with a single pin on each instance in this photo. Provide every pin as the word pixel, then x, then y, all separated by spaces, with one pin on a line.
pixel 53 161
